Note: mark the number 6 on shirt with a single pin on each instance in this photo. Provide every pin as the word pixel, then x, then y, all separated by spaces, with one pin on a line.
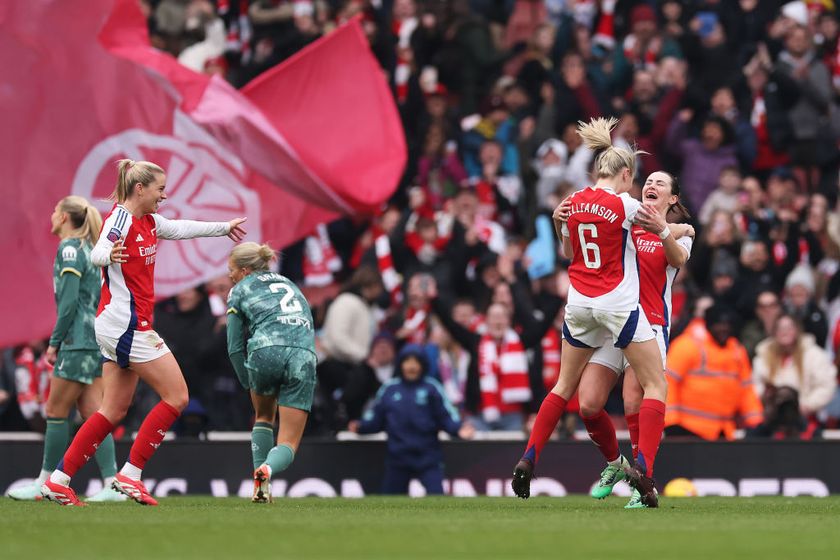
pixel 590 250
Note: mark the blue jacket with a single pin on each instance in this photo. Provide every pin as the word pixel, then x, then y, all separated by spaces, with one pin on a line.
pixel 412 413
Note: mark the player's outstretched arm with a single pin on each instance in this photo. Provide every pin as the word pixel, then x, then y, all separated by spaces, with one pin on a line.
pixel 190 229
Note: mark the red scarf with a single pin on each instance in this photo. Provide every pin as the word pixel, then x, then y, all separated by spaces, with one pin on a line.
pixel 403 29
pixel 647 59
pixel 390 278
pixel 320 260
pixel 551 358
pixel 503 376
pixel 417 324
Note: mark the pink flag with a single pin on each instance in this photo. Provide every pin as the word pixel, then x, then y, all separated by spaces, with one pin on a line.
pixel 75 98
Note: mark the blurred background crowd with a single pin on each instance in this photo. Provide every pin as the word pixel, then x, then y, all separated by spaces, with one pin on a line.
pixel 738 98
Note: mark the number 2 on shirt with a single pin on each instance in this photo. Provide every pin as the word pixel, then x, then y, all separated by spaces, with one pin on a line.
pixel 590 250
pixel 288 303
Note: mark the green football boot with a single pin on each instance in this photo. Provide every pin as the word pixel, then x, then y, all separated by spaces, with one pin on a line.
pixel 610 476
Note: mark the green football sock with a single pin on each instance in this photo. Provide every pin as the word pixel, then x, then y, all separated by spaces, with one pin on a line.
pixel 56 439
pixel 105 458
pixel 262 439
pixel 279 458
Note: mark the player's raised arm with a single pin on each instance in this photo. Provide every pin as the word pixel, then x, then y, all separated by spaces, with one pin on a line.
pixel 190 229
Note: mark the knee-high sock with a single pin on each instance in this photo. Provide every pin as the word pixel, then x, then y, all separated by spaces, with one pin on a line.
pixel 602 433
pixel 262 440
pixel 651 424
pixel 84 445
pixel 105 459
pixel 56 439
pixel 551 410
pixel 633 428
pixel 151 433
pixel 279 458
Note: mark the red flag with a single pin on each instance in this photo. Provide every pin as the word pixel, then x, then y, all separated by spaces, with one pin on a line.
pixel 75 98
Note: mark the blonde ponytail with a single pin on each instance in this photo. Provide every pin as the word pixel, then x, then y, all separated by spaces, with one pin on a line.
pixel 129 173
pixel 596 135
pixel 252 255
pixel 86 220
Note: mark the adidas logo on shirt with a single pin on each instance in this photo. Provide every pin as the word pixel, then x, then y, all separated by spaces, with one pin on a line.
pixel 139 238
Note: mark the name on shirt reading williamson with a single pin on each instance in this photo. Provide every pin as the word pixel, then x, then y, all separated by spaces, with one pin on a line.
pixel 596 209
pixel 288 303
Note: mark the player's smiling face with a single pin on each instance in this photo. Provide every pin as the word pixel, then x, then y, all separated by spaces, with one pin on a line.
pixel 657 191
pixel 153 194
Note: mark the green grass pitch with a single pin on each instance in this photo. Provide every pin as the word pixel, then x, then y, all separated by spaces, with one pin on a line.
pixel 541 528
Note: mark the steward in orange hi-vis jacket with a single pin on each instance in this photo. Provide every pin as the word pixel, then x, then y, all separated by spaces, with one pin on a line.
pixel 710 380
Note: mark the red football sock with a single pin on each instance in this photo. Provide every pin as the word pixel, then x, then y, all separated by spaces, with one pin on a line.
pixel 151 433
pixel 633 428
pixel 551 410
pixel 90 435
pixel 651 424
pixel 602 433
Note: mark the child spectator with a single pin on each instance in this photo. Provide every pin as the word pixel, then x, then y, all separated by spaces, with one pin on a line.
pixel 725 196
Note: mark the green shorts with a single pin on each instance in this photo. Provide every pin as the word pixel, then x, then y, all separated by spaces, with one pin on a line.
pixel 81 366
pixel 284 371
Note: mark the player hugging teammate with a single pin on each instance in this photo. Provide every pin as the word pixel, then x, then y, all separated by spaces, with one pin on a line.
pixel 604 314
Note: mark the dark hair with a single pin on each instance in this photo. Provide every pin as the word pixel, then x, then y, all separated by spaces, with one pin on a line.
pixel 365 276
pixel 678 207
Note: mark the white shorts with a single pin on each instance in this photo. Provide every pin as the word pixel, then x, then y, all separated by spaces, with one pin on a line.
pixel 613 358
pixel 591 328
pixel 133 346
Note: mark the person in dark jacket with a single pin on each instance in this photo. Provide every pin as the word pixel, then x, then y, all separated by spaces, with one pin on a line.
pixel 412 409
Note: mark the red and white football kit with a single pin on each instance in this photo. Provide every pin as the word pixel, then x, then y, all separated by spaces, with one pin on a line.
pixel 124 318
pixel 656 279
pixel 604 293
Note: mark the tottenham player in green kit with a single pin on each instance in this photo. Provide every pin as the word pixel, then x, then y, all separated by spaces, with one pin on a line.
pixel 275 360
pixel 76 377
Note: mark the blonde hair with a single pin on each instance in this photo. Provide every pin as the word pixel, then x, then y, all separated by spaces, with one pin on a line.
pixel 129 173
pixel 611 160
pixel 776 355
pixel 252 255
pixel 86 220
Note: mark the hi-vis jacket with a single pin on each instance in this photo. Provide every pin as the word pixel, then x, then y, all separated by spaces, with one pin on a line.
pixel 710 387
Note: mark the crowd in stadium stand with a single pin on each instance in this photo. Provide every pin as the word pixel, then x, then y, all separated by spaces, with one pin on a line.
pixel 740 99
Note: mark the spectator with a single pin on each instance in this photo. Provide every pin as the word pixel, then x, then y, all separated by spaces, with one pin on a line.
pixel 725 196
pixel 641 48
pixel 768 309
pixel 723 105
pixel 795 379
pixel 346 339
pixel 550 164
pixel 411 409
pixel 189 326
pixel 771 96
pixel 710 381
pixel 703 159
pixel 799 302
pixel 815 143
